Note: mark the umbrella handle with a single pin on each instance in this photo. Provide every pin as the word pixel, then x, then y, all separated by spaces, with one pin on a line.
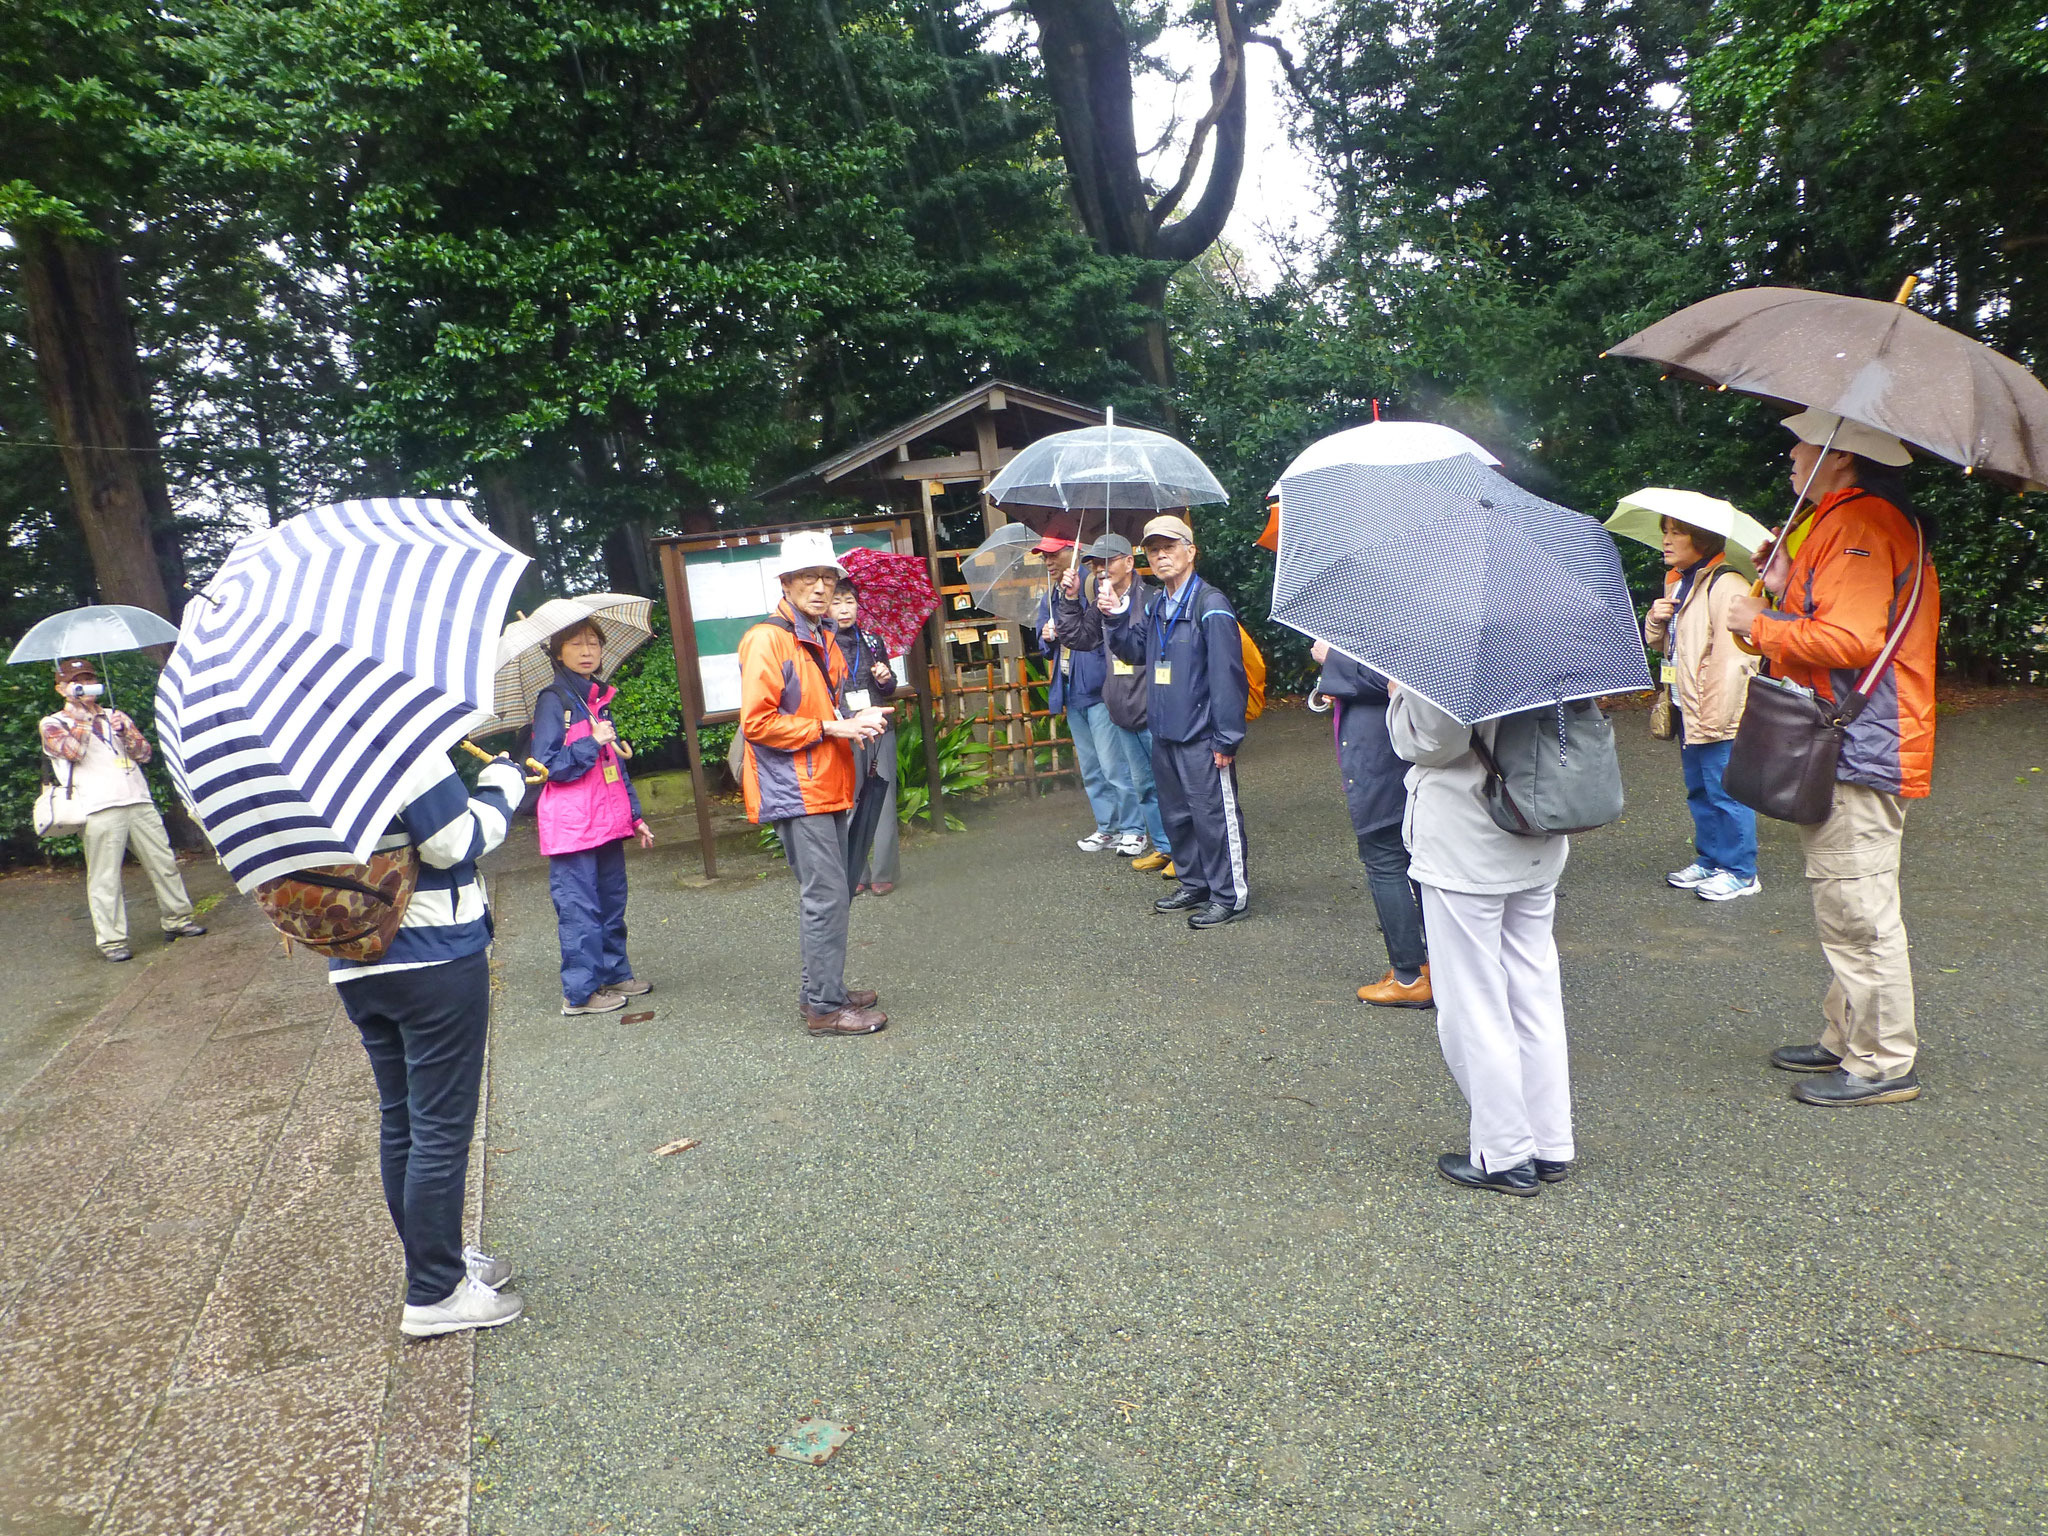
pixel 538 776
pixel 1742 641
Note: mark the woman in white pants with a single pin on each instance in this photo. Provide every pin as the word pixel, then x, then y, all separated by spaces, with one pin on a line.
pixel 1488 900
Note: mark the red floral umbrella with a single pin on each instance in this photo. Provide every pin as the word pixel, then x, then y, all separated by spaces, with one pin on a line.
pixel 896 595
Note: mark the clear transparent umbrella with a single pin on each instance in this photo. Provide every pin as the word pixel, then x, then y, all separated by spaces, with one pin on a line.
pixel 1107 479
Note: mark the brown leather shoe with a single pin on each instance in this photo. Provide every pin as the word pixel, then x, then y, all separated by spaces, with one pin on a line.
pixel 846 1021
pixel 854 999
pixel 1388 992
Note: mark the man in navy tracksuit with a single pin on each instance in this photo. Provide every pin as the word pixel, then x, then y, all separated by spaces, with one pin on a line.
pixel 1187 638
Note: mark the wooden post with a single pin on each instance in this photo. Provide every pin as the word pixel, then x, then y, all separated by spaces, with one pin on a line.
pixel 921 673
pixel 682 630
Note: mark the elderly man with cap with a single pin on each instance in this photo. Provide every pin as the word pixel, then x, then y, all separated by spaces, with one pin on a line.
pixel 798 771
pixel 1186 637
pixel 97 755
pixel 1123 737
pixel 1845 577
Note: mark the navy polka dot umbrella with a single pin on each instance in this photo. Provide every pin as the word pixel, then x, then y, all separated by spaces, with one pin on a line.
pixel 1457 583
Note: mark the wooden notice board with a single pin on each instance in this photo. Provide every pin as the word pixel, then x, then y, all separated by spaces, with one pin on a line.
pixel 719 586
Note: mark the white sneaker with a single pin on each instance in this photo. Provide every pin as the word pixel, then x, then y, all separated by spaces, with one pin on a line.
pixel 469 1306
pixel 1692 877
pixel 484 1269
pixel 1095 842
pixel 1726 885
pixel 1131 844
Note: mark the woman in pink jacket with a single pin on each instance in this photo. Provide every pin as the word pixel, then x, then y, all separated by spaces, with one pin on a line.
pixel 587 812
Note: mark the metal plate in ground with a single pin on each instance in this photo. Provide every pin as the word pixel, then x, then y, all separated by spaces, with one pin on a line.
pixel 812 1441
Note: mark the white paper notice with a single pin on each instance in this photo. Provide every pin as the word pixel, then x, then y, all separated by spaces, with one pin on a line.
pixel 721 679
pixel 710 591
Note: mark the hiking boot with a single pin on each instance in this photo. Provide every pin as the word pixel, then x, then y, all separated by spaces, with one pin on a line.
pixel 1726 885
pixel 1842 1087
pixel 632 986
pixel 484 1269
pixel 469 1305
pixel 1151 861
pixel 1692 877
pixel 188 929
pixel 600 1002
pixel 1805 1058
pixel 1170 872
pixel 854 999
pixel 1518 1180
pixel 1096 842
pixel 845 1021
pixel 1391 992
pixel 1131 844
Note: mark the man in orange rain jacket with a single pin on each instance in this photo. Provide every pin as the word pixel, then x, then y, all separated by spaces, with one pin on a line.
pixel 1850 578
pixel 797 774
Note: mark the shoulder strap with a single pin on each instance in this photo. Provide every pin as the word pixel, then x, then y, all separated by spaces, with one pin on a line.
pixel 1860 696
pixel 1497 783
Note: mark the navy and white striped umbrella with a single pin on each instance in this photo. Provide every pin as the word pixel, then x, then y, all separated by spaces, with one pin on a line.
pixel 328 657
pixel 1457 583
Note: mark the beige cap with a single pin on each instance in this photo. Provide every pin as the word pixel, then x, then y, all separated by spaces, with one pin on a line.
pixel 1167 526
pixel 1818 427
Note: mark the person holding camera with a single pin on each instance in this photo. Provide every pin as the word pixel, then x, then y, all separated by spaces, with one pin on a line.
pixel 97 755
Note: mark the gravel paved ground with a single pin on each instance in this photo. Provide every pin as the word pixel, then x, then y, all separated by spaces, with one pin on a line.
pixel 1125 1228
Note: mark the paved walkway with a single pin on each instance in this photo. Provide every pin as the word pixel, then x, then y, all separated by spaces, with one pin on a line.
pixel 198 1284
pixel 1117 1228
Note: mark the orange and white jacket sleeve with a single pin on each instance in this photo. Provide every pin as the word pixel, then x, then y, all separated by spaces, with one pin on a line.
pixel 1855 581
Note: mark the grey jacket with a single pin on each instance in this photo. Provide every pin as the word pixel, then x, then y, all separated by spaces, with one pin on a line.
pixel 1453 844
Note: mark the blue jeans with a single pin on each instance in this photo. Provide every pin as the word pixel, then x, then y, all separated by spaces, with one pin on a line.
pixel 1396 899
pixel 424 1032
pixel 1137 749
pixel 1105 773
pixel 1724 829
pixel 590 914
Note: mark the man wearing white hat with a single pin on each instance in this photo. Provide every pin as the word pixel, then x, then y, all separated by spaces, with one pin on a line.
pixel 1846 578
pixel 798 771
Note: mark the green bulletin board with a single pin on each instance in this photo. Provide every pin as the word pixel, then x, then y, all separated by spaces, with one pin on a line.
pixel 732 588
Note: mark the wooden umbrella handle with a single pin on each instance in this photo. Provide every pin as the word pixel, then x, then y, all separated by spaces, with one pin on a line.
pixel 537 776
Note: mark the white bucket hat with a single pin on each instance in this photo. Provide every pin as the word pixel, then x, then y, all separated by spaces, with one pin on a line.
pixel 811 551
pixel 1816 427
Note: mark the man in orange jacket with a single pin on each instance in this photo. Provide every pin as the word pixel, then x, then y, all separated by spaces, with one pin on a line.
pixel 798 771
pixel 1849 580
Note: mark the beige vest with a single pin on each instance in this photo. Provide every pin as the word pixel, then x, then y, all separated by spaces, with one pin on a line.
pixel 105 776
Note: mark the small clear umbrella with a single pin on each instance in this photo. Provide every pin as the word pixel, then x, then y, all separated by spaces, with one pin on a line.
pixel 93 631
pixel 1108 478
pixel 1007 575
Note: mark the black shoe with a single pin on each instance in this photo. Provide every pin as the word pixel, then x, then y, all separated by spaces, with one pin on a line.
pixel 1215 915
pixel 1552 1173
pixel 1842 1087
pixel 1518 1180
pixel 1805 1058
pixel 1182 900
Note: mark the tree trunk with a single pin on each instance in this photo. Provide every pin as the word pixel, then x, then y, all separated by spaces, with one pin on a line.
pixel 509 512
pixel 627 565
pixel 91 376
pixel 1086 54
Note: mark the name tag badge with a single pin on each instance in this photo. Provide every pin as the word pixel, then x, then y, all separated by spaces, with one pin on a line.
pixel 1121 667
pixel 1667 674
pixel 856 699
pixel 611 773
pixel 1162 675
pixel 123 761
pixel 1066 663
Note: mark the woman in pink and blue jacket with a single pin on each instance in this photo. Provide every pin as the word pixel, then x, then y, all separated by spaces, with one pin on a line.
pixel 587 812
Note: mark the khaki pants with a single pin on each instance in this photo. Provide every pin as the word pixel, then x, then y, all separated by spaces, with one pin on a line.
pixel 1852 866
pixel 108 835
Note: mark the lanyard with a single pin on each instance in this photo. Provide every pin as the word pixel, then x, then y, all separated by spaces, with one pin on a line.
pixel 1187 596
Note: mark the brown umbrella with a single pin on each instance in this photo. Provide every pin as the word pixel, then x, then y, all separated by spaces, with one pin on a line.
pixel 1884 365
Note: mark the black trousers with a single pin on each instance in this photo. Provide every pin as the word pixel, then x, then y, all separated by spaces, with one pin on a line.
pixel 1198 804
pixel 424 1031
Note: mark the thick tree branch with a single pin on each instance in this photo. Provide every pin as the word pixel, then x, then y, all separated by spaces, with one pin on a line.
pixel 1189 237
pixel 1228 81
pixel 1287 65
